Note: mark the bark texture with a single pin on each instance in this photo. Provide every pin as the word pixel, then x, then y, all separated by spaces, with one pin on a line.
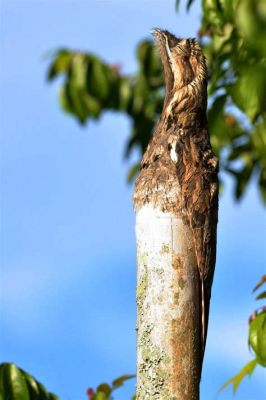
pixel 176 199
pixel 168 308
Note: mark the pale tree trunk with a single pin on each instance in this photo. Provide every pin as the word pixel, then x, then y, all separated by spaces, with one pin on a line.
pixel 168 336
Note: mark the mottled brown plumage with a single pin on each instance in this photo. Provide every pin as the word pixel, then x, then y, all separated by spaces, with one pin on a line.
pixel 179 169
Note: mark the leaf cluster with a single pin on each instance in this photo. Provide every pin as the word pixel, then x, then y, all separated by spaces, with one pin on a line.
pixel 16 384
pixel 92 86
pixel 257 327
pixel 105 391
pixel 256 341
pixel 233 36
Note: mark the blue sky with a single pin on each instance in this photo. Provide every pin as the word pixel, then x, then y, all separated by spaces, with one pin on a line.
pixel 67 224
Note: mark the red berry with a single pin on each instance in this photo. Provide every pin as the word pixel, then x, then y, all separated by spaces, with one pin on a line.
pixel 90 393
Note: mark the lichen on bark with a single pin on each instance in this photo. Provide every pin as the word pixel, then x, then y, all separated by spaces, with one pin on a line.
pixel 167 329
pixel 154 370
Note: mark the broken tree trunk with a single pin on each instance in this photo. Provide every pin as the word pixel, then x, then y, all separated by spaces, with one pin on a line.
pixel 176 201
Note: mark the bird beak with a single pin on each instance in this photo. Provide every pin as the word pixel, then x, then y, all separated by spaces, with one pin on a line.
pixel 156 32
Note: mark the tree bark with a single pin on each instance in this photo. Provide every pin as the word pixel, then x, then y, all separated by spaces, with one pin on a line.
pixel 168 334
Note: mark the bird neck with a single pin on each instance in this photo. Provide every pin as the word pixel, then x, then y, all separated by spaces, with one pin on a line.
pixel 185 106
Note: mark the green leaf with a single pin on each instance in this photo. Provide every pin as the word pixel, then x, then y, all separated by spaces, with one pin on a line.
pixel 100 396
pixel 78 102
pixel 142 51
pixel 261 282
pixel 228 7
pixel 150 70
pixel 212 14
pixel 189 4
pixel 242 179
pixel 248 91
pixel 262 184
pixel 60 64
pixel 217 123
pixel 133 172
pixel 144 55
pixel 261 296
pixel 139 91
pixel 65 100
pixel 104 388
pixel 52 396
pixel 92 106
pixel 217 108
pixel 257 337
pixel 16 384
pixel 97 79
pixel 251 23
pixel 32 385
pixel 237 379
pixel 43 392
pixel 125 94
pixel 177 3
pixel 12 383
pixel 75 97
pixel 118 382
pixel 80 108
pixel 78 70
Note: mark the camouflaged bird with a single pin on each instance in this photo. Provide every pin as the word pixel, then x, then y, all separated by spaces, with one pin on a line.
pixel 179 169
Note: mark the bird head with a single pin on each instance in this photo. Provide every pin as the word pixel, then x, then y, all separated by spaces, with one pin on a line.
pixel 182 59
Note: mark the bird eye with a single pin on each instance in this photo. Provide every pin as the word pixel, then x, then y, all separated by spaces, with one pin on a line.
pixel 171 42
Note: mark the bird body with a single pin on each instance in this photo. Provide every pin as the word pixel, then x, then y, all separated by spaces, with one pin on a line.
pixel 179 169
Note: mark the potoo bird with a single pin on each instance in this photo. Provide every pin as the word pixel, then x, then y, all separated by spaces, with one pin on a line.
pixel 180 159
